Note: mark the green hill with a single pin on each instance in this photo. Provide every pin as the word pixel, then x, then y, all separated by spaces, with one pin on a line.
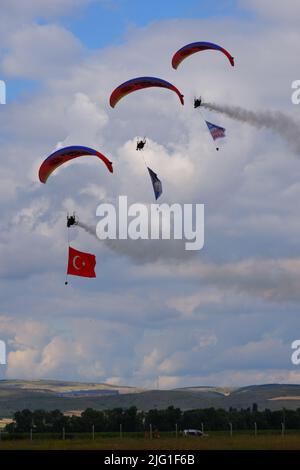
pixel 49 394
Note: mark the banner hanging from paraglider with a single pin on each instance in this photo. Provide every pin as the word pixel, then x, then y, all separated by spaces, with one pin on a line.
pixel 156 183
pixel 81 263
pixel 217 132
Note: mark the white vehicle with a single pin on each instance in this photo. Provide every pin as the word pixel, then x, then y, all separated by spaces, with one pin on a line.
pixel 193 432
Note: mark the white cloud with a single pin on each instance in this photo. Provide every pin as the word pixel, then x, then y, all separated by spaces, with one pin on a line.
pixel 187 305
pixel 287 11
pixel 41 8
pixel 203 320
pixel 53 50
pixel 22 363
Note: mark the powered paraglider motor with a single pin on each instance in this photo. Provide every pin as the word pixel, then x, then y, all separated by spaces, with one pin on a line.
pixel 140 144
pixel 197 102
pixel 71 220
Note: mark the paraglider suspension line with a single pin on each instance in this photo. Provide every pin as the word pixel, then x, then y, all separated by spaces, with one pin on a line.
pixel 145 163
pixel 68 244
pixel 217 148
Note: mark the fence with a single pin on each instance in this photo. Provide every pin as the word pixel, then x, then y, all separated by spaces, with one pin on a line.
pixel 148 434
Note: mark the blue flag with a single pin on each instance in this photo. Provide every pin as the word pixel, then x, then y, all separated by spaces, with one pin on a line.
pixel 156 183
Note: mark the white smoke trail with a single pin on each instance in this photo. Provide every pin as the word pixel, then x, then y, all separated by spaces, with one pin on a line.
pixel 283 125
pixel 88 228
pixel 111 244
pixel 143 251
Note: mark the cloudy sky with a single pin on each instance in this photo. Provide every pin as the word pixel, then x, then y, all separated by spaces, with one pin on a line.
pixel 223 316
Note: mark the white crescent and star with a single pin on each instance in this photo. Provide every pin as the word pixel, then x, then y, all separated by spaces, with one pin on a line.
pixel 75 265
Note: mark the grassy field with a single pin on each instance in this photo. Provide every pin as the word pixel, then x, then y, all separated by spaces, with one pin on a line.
pixel 213 442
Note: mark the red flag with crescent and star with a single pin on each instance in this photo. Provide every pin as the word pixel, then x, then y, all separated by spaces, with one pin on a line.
pixel 81 264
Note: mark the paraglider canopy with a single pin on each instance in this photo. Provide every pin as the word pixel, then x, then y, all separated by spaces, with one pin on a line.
pixel 138 84
pixel 194 47
pixel 65 154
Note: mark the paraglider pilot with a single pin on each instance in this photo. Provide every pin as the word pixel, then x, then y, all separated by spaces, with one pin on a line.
pixel 140 144
pixel 71 220
pixel 197 102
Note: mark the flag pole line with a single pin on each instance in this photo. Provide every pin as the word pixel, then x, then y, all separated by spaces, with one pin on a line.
pixel 145 161
pixel 68 244
pixel 213 143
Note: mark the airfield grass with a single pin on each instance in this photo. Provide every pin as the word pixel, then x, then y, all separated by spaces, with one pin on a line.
pixel 214 441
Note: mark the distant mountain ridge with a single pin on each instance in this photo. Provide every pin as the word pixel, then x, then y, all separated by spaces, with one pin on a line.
pixel 55 394
pixel 64 386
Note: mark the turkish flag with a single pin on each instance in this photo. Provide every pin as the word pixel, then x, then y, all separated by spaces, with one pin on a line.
pixel 81 264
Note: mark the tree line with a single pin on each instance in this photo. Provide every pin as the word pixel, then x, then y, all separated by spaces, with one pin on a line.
pixel 133 420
